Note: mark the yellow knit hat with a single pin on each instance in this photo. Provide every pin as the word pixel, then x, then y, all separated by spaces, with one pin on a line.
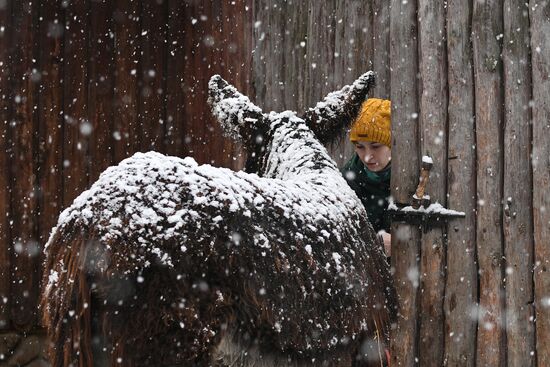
pixel 373 122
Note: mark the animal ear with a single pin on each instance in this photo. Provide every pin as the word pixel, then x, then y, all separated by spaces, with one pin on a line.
pixel 330 118
pixel 238 117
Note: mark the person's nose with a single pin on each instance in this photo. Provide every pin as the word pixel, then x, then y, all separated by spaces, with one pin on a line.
pixel 369 157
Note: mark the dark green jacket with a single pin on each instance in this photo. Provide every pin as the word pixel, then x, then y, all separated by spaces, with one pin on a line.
pixel 373 188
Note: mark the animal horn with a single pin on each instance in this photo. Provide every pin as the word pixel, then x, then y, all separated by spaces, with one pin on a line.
pixel 232 109
pixel 330 118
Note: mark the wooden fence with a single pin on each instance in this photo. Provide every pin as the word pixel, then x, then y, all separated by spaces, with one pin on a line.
pixel 84 84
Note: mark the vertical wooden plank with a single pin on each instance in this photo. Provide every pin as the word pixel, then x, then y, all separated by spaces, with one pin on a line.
pixel 353 41
pixel 296 21
pixel 461 283
pixel 50 127
pixel 539 13
pixel 216 143
pixel 152 94
pixel 320 63
pixel 353 55
pixel 195 70
pixel 405 168
pixel 6 100
pixel 259 58
pixel 274 33
pixel 176 53
pixel 518 221
pixel 433 139
pixel 77 128
pixel 24 183
pixel 486 37
pixel 381 47
pixel 126 20
pixel 320 51
pixel 101 82
pixel 236 29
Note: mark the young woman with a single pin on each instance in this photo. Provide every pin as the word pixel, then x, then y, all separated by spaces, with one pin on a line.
pixel 368 171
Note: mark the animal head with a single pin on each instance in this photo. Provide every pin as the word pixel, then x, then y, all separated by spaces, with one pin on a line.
pixel 244 122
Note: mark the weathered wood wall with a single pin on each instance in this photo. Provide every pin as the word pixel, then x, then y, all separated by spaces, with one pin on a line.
pixel 85 84
pixel 468 84
pixel 304 50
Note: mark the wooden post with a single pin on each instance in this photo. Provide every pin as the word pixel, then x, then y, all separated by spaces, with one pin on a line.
pixel 196 76
pixel 50 118
pixel 380 16
pixel 6 100
pixel 405 170
pixel 461 285
pixel 433 141
pixel 352 41
pixel 127 26
pixel 24 265
pixel 352 56
pixel 100 88
pixel 518 227
pixel 487 37
pixel 77 128
pixel 174 102
pixel 295 62
pixel 539 12
pixel 151 91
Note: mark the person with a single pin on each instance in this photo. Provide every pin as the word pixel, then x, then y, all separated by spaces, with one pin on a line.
pixel 368 172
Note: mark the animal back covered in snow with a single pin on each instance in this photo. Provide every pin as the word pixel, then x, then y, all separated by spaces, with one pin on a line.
pixel 167 262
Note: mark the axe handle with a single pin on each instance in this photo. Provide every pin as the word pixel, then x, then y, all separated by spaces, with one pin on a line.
pixel 424 176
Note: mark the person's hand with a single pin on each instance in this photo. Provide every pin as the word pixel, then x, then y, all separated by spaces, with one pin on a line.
pixel 387 242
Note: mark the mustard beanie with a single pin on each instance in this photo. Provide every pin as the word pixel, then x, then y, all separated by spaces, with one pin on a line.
pixel 373 122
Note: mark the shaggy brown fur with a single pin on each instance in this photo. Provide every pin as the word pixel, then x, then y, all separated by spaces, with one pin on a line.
pixel 287 285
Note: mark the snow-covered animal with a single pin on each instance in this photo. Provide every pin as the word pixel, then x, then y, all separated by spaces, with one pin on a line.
pixel 164 262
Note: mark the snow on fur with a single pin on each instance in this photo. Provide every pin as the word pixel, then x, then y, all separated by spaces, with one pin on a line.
pixel 287 260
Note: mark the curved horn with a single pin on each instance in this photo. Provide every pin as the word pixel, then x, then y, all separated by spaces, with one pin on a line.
pixel 330 118
pixel 238 116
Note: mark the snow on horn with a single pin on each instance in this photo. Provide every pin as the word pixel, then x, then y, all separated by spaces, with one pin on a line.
pixel 167 262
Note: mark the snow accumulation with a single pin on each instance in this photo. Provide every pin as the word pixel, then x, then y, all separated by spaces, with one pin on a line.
pixel 435 208
pixel 298 235
pixel 157 199
pixel 332 105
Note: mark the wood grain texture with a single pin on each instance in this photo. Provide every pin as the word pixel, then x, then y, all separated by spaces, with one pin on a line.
pixel 127 28
pixel 539 13
pixel 152 79
pixel 518 221
pixel 461 282
pixel 6 100
pixel 380 15
pixel 296 36
pixel 353 56
pixel 101 81
pixel 486 30
pixel 195 67
pixel 219 147
pixel 77 126
pixel 405 167
pixel 174 102
pixel 24 264
pixel 433 138
pixel 50 119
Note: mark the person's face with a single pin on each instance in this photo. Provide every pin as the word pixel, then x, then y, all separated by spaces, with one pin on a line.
pixel 374 155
